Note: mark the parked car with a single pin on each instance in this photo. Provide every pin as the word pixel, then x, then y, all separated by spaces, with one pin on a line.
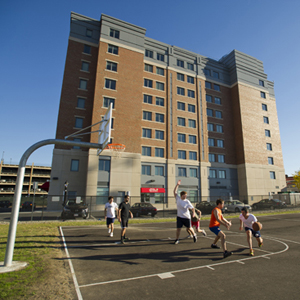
pixel 27 205
pixel 143 208
pixel 5 203
pixel 73 209
pixel 236 206
pixel 269 204
pixel 207 207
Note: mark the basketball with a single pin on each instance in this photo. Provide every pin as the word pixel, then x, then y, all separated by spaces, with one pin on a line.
pixel 257 226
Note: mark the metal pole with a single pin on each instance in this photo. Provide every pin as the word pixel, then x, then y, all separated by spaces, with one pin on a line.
pixel 32 208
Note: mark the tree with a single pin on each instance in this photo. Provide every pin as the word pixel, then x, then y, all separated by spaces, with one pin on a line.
pixel 296 177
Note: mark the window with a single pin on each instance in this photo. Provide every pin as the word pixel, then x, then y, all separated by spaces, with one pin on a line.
pixel 110 84
pixel 76 140
pixel 181 137
pixel 192 123
pixel 160 86
pixel 215 74
pixel 181 154
pixel 113 49
pixel 272 175
pixel 211 157
pixel 85 66
pixel 212 174
pixel 180 91
pixel 222 174
pixel 190 79
pixel 160 101
pixel 207 72
pixel 221 158
pixel 146 133
pixel 193 172
pixel 180 63
pixel 270 161
pixel 159 118
pixel 114 33
pixel 159 152
pixel 160 71
pixel 209 112
pixel 207 85
pixel 266 120
pixel 217 87
pixel 261 83
pixel 89 33
pixel 269 146
pixel 191 108
pixel 182 172
pixel 264 107
pixel 210 127
pixel 181 121
pixel 148 68
pixel 267 133
pixel 87 49
pixel 74 165
pixel 218 114
pixel 191 94
pixel 263 95
pixel 146 170
pixel 111 66
pixel 190 66
pixel 147 115
pixel 159 134
pixel 159 170
pixel 211 142
pixel 208 98
pixel 192 139
pixel 160 57
pixel 180 77
pixel 149 53
pixel 78 122
pixel 147 99
pixel 80 102
pixel 217 100
pixel 220 143
pixel 148 83
pixel 83 84
pixel 108 101
pixel 193 155
pixel 180 105
pixel 219 128
pixel 146 151
pixel 104 165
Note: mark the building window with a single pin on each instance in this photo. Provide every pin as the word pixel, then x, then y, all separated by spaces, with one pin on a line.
pixel 180 91
pixel 85 66
pixel 74 165
pixel 159 118
pixel 221 158
pixel 217 100
pixel 264 107
pixel 193 155
pixel 181 137
pixel 190 66
pixel 266 120
pixel 181 121
pixel 147 115
pixel 215 74
pixel 148 83
pixel 181 154
pixel 159 171
pixel 267 133
pixel 263 95
pixel 191 94
pixel 182 172
pixel 147 99
pixel 261 83
pixel 192 123
pixel 209 98
pixel 207 85
pixel 78 122
pixel 160 57
pixel 222 174
pixel 191 108
pixel 207 72
pixel 269 146
pixel 159 152
pixel 111 66
pixel 270 161
pixel 159 134
pixel 146 151
pixel 110 84
pixel 209 112
pixel 219 128
pixel 210 127
pixel 114 33
pixel 211 142
pixel 80 103
pixel 160 86
pixel 192 139
pixel 220 143
pixel 76 140
pixel 272 175
pixel 160 71
pixel 211 157
pixel 146 170
pixel 180 76
pixel 104 165
pixel 148 68
pixel 218 114
pixel 149 53
pixel 113 49
pixel 212 174
pixel 217 87
pixel 87 49
pixel 83 84
pixel 193 172
pixel 108 101
pixel 180 105
pixel 146 133
pixel 160 101
pixel 180 63
pixel 89 33
pixel 190 79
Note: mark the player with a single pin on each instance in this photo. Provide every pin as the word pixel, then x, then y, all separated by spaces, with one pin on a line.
pixel 123 215
pixel 109 212
pixel 196 221
pixel 215 220
pixel 248 220
pixel 183 214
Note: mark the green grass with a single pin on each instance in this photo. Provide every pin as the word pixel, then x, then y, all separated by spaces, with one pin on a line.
pixel 39 244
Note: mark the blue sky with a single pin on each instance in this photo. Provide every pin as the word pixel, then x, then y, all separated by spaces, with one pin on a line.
pixel 34 38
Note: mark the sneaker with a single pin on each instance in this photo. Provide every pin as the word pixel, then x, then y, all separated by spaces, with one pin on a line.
pixel 227 253
pixel 251 252
pixel 214 246
pixel 111 234
pixel 260 244
pixel 122 241
pixel 176 242
pixel 195 238
pixel 109 230
pixel 204 232
pixel 126 239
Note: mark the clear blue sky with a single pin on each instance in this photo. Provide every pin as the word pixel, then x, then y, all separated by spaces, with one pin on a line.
pixel 34 38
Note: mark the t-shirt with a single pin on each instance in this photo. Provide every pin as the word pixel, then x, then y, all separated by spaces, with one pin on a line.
pixel 213 221
pixel 249 221
pixel 183 207
pixel 111 209
pixel 124 207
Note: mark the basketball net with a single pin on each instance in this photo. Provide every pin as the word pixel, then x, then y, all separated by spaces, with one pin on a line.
pixel 116 149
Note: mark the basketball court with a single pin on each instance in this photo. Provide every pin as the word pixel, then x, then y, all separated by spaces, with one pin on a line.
pixel 150 266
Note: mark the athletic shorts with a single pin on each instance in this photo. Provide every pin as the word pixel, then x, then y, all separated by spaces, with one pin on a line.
pixel 110 221
pixel 183 222
pixel 215 229
pixel 254 233
pixel 196 224
pixel 124 223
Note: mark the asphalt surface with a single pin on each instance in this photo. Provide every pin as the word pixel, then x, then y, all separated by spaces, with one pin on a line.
pixel 150 266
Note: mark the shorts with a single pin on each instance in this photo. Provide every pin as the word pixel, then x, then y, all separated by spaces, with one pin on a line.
pixel 183 222
pixel 215 229
pixel 124 223
pixel 110 221
pixel 196 224
pixel 254 233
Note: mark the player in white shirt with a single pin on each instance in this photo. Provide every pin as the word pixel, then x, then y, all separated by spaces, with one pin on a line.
pixel 110 210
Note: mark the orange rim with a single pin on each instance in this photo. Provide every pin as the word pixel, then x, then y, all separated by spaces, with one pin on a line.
pixel 116 147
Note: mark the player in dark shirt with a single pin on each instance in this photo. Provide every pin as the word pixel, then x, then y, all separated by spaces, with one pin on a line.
pixel 123 216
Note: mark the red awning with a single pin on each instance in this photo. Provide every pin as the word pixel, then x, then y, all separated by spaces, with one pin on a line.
pixel 153 190
pixel 45 186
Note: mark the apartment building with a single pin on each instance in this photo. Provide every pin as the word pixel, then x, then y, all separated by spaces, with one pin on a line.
pixel 211 123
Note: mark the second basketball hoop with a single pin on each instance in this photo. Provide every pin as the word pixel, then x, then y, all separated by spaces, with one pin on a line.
pixel 116 149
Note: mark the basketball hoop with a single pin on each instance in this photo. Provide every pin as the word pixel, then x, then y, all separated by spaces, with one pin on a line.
pixel 117 149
